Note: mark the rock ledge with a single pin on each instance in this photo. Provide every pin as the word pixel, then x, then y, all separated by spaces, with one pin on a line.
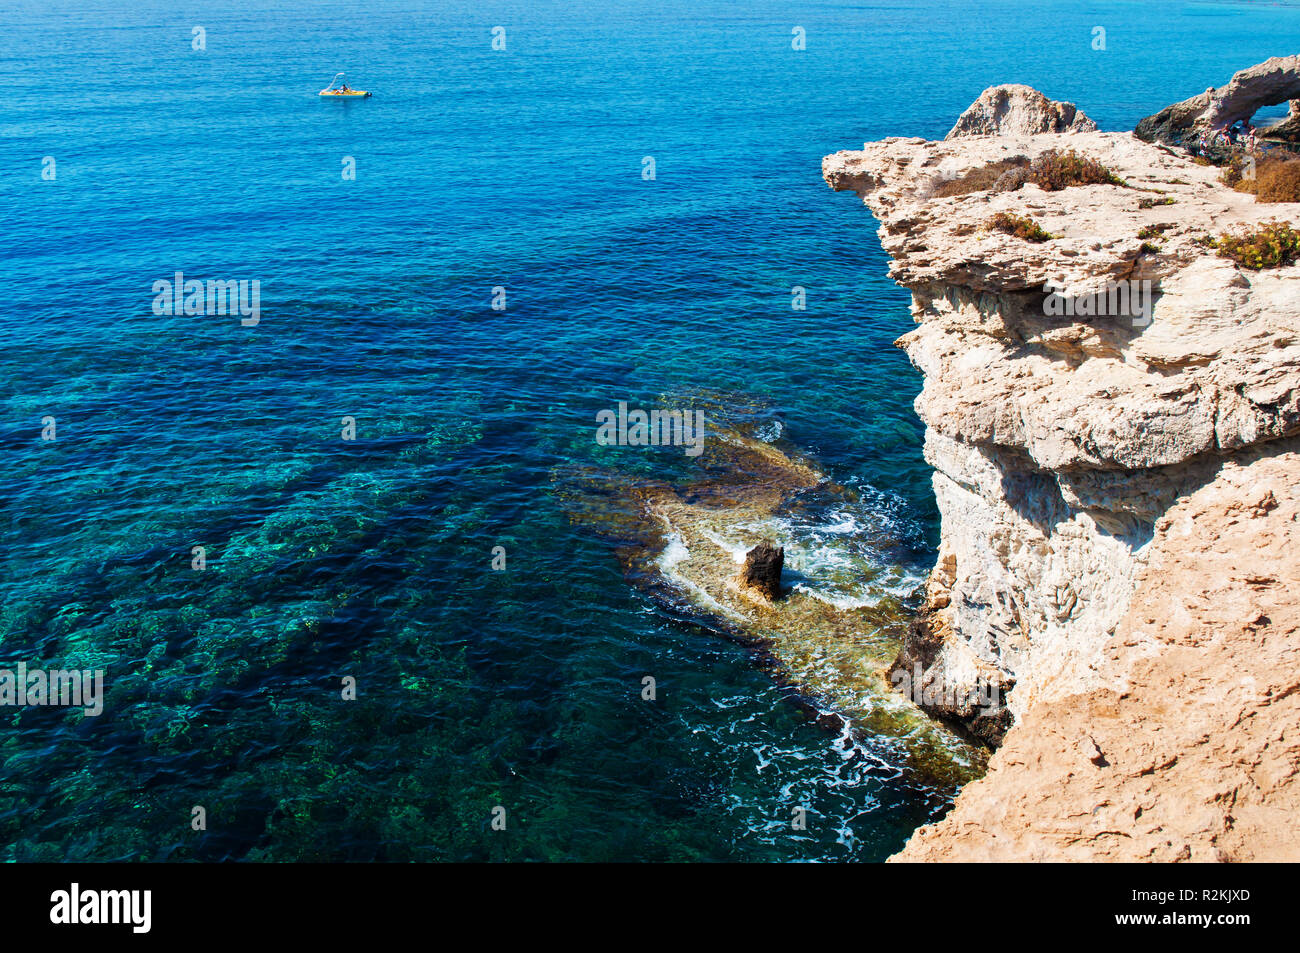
pixel 1118 495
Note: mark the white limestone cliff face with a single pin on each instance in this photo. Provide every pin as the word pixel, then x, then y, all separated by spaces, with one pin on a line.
pixel 1060 443
pixel 1184 746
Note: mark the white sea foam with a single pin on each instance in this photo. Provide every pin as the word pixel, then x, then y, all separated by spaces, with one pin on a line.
pixel 841 602
pixel 733 549
pixel 675 552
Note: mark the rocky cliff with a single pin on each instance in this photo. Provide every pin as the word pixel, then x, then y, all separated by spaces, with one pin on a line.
pixel 1112 413
pixel 1270 83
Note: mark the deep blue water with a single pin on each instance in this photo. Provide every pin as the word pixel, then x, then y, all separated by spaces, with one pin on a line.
pixel 475 169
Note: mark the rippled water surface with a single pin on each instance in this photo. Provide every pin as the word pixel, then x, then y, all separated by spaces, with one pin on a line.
pixel 475 169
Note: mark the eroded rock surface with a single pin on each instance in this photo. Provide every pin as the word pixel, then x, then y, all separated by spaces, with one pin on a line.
pixel 1064 445
pixel 1187 747
pixel 1013 109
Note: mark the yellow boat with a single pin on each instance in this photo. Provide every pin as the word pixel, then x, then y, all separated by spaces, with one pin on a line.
pixel 342 89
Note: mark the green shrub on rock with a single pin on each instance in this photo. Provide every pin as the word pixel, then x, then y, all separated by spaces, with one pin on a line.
pixel 1018 225
pixel 1271 245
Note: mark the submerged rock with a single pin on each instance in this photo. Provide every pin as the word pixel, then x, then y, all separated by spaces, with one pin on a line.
pixel 762 570
pixel 830 639
pixel 1014 109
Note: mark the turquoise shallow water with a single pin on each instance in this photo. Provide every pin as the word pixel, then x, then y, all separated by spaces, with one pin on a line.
pixel 475 169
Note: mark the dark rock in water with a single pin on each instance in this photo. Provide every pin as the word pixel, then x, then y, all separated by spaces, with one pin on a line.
pixel 762 570
pixel 920 672
pixel 1175 125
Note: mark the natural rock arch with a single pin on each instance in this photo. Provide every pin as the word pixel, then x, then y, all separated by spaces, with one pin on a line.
pixel 1270 83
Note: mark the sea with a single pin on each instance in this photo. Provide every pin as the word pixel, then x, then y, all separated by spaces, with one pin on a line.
pixel 324 550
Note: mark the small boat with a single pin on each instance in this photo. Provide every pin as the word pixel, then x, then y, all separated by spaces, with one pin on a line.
pixel 338 87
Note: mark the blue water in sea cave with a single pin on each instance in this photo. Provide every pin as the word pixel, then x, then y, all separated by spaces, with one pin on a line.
pixel 475 169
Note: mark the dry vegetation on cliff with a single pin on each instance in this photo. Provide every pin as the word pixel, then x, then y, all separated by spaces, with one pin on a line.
pixel 1275 180
pixel 1051 171
pixel 1018 226
pixel 1058 169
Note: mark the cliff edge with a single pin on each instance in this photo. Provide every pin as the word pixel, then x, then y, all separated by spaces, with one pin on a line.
pixel 1112 411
